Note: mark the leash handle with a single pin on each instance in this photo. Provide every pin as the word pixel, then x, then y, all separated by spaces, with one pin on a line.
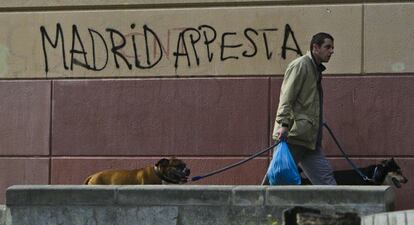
pixel 364 177
pixel 195 178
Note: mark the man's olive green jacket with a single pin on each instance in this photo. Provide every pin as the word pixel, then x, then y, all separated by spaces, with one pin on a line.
pixel 299 104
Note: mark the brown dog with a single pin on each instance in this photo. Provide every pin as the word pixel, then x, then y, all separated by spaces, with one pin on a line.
pixel 172 171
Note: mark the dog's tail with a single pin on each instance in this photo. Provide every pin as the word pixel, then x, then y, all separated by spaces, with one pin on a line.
pixel 87 180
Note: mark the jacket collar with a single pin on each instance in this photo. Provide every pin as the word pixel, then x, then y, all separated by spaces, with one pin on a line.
pixel 319 67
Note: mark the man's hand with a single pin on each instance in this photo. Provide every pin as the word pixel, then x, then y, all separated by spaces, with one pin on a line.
pixel 282 133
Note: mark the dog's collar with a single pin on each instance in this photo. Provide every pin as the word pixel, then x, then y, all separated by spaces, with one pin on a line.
pixel 162 177
pixel 376 176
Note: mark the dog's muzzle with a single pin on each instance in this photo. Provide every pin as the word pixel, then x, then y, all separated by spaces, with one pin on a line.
pixel 179 176
pixel 396 182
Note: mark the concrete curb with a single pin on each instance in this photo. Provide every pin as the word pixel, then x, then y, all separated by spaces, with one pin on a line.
pixel 2 214
pixel 184 204
pixel 391 218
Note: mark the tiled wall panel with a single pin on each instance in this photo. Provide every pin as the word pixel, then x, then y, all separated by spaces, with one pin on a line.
pixel 22 171
pixel 275 85
pixel 24 117
pixel 370 116
pixel 70 170
pixel 160 117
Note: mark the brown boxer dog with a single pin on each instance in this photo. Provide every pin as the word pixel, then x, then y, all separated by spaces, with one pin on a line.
pixel 173 171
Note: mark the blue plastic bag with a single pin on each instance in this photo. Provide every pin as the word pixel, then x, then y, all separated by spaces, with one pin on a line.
pixel 283 169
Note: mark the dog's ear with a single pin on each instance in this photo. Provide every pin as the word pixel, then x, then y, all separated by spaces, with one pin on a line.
pixel 391 165
pixel 392 162
pixel 163 162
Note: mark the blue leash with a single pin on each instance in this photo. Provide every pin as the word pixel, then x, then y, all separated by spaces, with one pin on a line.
pixel 235 164
pixel 364 177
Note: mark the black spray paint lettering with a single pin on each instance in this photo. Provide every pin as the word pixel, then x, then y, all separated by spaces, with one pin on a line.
pixel 157 44
pixel 181 44
pixel 116 48
pixel 207 41
pixel 252 42
pixel 118 42
pixel 268 53
pixel 228 42
pixel 73 51
pixel 92 33
pixel 190 42
pixel 224 45
pixel 289 31
pixel 59 34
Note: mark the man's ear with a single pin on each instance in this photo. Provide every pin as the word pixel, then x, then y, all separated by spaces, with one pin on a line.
pixel 315 47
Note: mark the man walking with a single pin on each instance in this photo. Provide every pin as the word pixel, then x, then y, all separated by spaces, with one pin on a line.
pixel 299 117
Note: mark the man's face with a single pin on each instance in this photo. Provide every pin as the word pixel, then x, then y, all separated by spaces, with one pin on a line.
pixel 324 52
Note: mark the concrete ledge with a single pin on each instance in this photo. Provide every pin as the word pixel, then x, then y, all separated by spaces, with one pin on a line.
pixel 185 204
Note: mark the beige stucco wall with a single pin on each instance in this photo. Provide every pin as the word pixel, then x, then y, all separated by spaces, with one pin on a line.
pixel 388 38
pixel 243 40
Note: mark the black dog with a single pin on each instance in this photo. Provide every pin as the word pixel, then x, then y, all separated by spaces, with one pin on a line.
pixel 386 173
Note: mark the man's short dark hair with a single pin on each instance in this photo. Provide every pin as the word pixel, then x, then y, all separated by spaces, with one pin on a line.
pixel 319 38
